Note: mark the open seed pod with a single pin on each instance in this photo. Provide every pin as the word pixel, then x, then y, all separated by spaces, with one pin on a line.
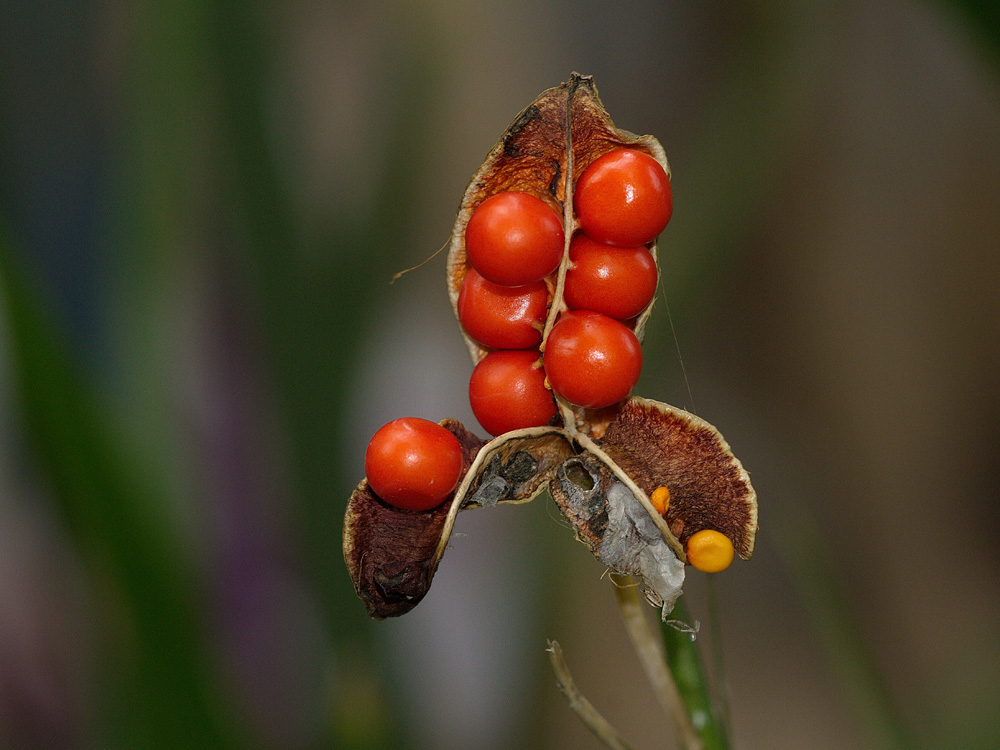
pixel 601 466
pixel 547 146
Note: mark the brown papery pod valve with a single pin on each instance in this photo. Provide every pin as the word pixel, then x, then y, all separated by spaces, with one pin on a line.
pixel 601 466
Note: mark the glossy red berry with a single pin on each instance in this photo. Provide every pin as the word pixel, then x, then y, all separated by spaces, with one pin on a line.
pixel 623 198
pixel 616 281
pixel 502 317
pixel 507 392
pixel 592 360
pixel 514 238
pixel 413 463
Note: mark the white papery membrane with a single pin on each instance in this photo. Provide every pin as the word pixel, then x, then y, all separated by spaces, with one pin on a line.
pixel 633 542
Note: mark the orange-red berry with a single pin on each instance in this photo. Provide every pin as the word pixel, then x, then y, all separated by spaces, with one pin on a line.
pixel 592 360
pixel 615 281
pixel 502 317
pixel 514 238
pixel 507 392
pixel 623 198
pixel 413 463
pixel 710 551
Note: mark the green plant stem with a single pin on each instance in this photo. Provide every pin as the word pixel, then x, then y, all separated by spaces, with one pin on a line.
pixel 716 657
pixel 689 675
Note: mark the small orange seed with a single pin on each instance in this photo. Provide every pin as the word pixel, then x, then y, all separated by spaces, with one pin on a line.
pixel 710 551
pixel 660 499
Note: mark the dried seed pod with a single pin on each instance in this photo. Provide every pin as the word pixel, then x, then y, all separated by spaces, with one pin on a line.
pixel 610 518
pixel 602 488
pixel 660 446
pixel 600 465
pixel 544 150
pixel 390 552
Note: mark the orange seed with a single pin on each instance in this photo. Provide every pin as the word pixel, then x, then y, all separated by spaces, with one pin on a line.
pixel 710 551
pixel 660 499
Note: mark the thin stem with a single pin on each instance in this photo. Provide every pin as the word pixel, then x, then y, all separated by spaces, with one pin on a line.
pixel 685 665
pixel 717 663
pixel 649 649
pixel 596 723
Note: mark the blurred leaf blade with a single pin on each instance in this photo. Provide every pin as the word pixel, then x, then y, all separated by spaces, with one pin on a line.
pixel 311 297
pixel 821 589
pixel 983 20
pixel 315 301
pixel 114 519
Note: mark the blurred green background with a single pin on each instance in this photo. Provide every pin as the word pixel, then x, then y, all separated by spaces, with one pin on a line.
pixel 201 205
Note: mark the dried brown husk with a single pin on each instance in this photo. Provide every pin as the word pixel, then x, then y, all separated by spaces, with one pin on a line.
pixel 392 554
pixel 709 488
pixel 600 466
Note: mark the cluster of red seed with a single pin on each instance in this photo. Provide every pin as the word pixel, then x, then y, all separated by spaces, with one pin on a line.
pixel 514 242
